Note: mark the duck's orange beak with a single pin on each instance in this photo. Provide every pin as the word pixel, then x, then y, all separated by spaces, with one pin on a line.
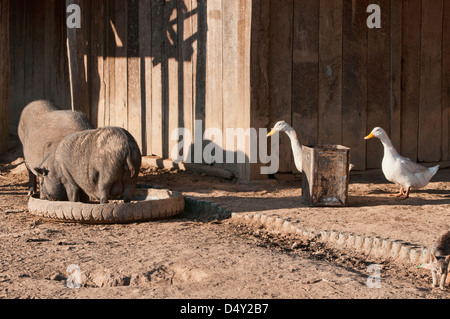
pixel 271 133
pixel 368 137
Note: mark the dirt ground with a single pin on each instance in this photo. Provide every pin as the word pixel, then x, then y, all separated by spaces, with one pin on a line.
pixel 204 257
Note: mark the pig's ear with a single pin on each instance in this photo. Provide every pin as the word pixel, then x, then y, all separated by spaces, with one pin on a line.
pixel 41 171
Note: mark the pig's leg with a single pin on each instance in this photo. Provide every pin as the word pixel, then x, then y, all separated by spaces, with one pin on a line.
pixel 128 192
pixel 32 182
pixel 103 193
pixel 73 193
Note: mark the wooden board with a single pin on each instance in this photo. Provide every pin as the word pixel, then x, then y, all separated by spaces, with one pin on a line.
pixel 134 106
pixel 78 46
pixel 121 65
pixel 430 107
pixel 214 73
pixel 145 51
pixel 330 72
pixel 378 83
pixel 259 76
pixel 354 87
pixel 396 72
pixel 186 38
pixel 5 72
pixel 109 71
pixel 412 17
pixel 96 70
pixel 305 83
pixel 158 80
pixel 171 69
pixel 446 84
pixel 280 73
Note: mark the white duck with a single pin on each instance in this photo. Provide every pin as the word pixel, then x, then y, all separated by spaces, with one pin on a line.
pixel 282 126
pixel 401 170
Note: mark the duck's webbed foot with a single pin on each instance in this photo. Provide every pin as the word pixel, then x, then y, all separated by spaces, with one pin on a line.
pixel 406 195
pixel 402 191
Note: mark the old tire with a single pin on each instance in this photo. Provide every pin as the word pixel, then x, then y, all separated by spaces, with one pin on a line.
pixel 147 205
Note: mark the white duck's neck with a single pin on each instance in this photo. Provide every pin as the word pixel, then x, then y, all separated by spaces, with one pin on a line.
pixel 296 148
pixel 388 146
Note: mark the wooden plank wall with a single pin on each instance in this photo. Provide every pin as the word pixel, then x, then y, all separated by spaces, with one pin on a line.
pixel 38 55
pixel 148 66
pixel 152 66
pixel 344 79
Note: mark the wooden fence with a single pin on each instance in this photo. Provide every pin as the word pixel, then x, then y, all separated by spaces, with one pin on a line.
pixel 335 79
pixel 152 66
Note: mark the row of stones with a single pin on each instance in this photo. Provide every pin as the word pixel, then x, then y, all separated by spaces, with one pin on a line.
pixel 397 250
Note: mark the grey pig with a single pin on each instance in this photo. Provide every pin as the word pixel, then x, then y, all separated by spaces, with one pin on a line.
pixel 104 163
pixel 41 127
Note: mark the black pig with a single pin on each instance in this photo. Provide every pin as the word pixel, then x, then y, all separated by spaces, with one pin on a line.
pixel 41 127
pixel 103 163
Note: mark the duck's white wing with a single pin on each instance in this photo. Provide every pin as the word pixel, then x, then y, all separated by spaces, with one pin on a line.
pixel 411 166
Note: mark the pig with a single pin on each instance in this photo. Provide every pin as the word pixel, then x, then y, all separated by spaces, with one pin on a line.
pixel 41 127
pixel 103 163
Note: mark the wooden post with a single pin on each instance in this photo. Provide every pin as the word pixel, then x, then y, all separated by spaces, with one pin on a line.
pixel 4 75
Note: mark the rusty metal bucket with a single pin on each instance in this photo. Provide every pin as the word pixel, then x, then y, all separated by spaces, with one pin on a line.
pixel 325 176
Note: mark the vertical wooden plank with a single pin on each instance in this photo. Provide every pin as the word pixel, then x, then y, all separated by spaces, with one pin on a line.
pixel 236 42
pixel 157 78
pixel 5 72
pixel 49 46
pixel 38 81
pixel 134 74
pixel 412 20
pixel 230 75
pixel 446 83
pixel 430 107
pixel 96 71
pixel 330 72
pixel 354 86
pixel 109 65
pixel 171 118
pixel 17 87
pixel 305 84
pixel 121 85
pixel 378 82
pixel 214 67
pixel 396 71
pixel 199 28
pixel 186 38
pixel 78 42
pixel 145 53
pixel 29 53
pixel 259 73
pixel 60 58
pixel 280 70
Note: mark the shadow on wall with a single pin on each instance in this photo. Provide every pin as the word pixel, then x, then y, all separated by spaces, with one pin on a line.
pixel 157 34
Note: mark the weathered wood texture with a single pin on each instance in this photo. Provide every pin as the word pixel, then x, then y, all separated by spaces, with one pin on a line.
pixel 148 66
pixel 154 66
pixel 345 79
pixel 4 75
